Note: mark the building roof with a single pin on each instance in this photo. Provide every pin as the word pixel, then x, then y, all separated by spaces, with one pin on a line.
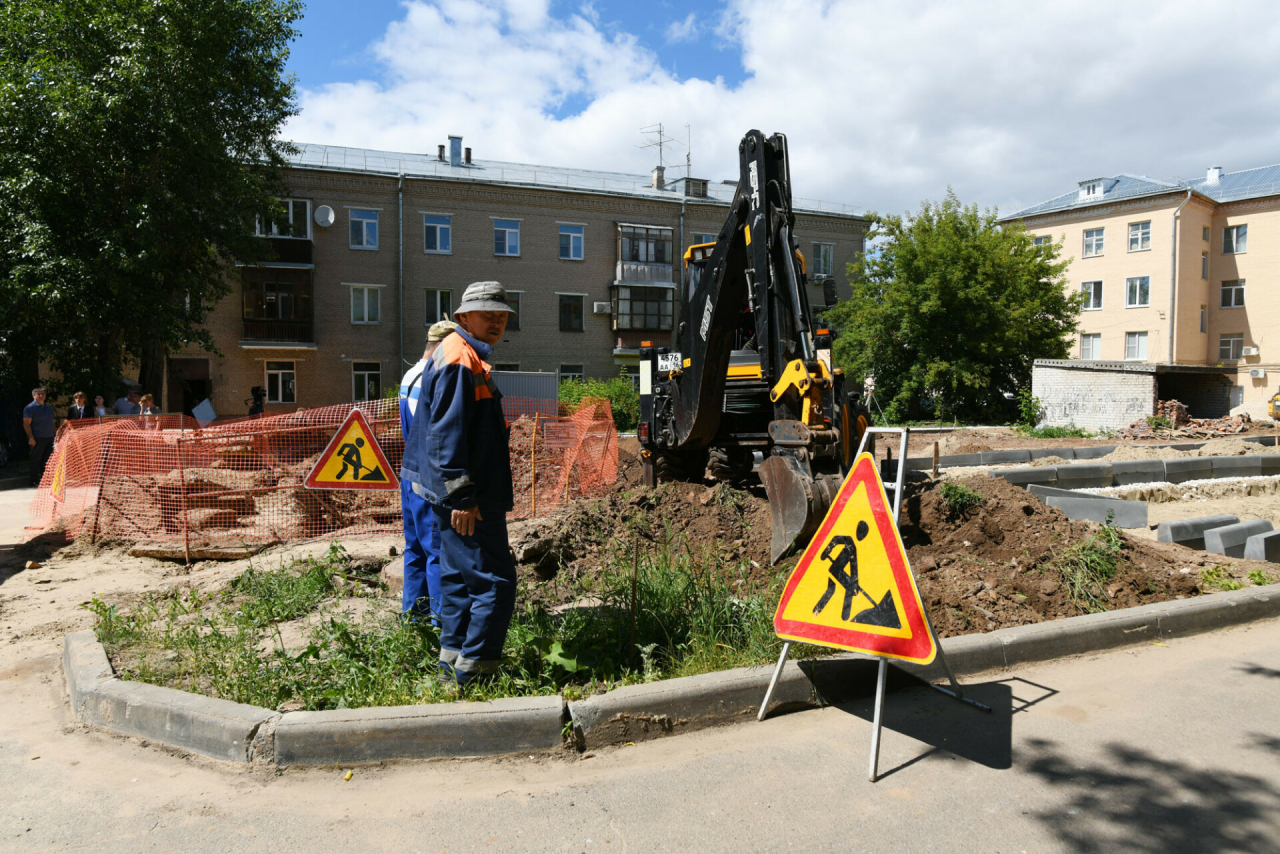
pixel 366 160
pixel 1230 187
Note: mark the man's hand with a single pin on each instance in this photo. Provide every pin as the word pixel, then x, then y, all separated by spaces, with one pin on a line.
pixel 31 440
pixel 464 521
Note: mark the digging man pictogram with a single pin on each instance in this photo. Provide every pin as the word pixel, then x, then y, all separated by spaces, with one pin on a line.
pixel 350 454
pixel 844 571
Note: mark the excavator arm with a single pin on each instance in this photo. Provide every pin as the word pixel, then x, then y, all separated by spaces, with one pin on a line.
pixel 777 409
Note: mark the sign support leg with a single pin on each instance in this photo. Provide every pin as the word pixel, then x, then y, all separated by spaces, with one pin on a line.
pixel 777 671
pixel 875 726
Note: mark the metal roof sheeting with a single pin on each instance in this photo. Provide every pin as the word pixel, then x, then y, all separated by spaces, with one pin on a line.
pixel 367 160
pixel 1231 187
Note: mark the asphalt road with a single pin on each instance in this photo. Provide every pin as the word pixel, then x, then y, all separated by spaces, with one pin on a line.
pixel 1156 748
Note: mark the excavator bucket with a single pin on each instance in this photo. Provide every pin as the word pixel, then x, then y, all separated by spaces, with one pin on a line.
pixel 796 504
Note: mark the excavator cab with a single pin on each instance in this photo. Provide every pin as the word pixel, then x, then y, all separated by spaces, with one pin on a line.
pixel 750 389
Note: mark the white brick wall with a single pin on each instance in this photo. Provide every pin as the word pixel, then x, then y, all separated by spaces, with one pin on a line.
pixel 1093 399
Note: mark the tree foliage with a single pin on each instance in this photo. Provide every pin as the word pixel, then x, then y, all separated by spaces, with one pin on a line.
pixel 619 391
pixel 138 142
pixel 949 309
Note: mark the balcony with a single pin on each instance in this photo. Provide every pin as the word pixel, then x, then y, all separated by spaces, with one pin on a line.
pixel 291 250
pixel 639 271
pixel 279 333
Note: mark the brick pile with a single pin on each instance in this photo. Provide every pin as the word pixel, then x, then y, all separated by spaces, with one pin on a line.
pixel 1183 426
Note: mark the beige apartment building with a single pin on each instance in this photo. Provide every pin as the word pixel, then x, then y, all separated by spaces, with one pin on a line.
pixel 1177 274
pixel 378 245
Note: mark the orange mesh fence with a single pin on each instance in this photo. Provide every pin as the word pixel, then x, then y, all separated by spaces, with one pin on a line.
pixel 165 479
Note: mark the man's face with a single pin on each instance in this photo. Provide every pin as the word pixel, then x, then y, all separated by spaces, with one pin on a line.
pixel 133 397
pixel 486 326
pixel 38 396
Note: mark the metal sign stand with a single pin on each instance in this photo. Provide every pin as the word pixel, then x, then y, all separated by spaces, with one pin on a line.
pixel 868 443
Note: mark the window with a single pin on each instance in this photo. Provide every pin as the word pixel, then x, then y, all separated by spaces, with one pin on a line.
pixel 364 229
pixel 1043 240
pixel 571 242
pixel 823 259
pixel 699 239
pixel 1139 236
pixel 1204 265
pixel 1235 239
pixel 570 372
pixel 280 382
pixel 513 300
pixel 506 237
pixel 1231 347
pixel 1091 346
pixel 571 312
pixel 365 306
pixel 644 254
pixel 1092 293
pixel 1137 292
pixel 1204 319
pixel 1233 294
pixel 643 308
pixel 437 234
pixel 1204 233
pixel 439 306
pixel 366 380
pixel 1092 242
pixel 1135 346
pixel 276 294
pixel 294 223
pixel 506 366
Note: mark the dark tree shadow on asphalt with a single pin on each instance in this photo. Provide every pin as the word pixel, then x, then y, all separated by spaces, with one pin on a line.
pixel 1259 670
pixel 947 725
pixel 1137 801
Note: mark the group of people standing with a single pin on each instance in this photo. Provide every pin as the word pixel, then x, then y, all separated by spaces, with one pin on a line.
pixel 456 488
pixel 38 421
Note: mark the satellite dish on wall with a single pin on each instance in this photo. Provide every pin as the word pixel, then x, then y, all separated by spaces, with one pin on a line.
pixel 324 216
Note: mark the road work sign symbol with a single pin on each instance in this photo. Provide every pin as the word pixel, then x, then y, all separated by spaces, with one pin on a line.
pixel 853 588
pixel 353 460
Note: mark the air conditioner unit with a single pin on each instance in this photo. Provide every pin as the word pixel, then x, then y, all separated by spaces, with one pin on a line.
pixel 1257 373
pixel 1250 351
pixel 601 307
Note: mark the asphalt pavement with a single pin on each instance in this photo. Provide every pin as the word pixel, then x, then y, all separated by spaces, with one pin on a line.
pixel 1155 748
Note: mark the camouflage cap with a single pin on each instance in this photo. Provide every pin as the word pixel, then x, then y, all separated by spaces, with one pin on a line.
pixel 440 330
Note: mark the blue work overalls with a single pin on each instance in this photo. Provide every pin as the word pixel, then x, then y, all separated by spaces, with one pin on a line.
pixel 421 531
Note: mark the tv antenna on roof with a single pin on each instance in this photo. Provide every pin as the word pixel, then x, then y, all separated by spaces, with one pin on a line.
pixel 661 142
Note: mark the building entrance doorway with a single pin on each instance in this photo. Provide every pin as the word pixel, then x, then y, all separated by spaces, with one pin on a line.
pixel 189 383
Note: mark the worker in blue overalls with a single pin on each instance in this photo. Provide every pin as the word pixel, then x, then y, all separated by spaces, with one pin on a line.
pixel 421 533
pixel 458 450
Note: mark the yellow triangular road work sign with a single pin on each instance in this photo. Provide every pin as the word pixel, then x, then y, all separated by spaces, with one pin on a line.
pixel 353 460
pixel 853 588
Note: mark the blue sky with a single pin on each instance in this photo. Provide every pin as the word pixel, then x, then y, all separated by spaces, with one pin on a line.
pixel 885 103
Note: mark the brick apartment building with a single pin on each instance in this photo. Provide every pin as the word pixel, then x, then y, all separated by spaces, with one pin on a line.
pixel 1178 282
pixel 379 245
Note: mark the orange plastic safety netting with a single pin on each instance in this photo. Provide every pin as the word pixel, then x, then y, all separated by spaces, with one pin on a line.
pixel 165 479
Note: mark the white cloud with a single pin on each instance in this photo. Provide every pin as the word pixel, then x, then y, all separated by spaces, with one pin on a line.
pixel 884 104
pixel 683 31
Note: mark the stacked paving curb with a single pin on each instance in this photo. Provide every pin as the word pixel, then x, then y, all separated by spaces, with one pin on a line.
pixel 242 733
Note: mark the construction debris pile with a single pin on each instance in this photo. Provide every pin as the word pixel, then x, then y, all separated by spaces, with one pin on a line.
pixel 1171 421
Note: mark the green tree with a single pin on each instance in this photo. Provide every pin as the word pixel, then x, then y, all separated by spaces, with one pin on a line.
pixel 620 392
pixel 952 307
pixel 138 143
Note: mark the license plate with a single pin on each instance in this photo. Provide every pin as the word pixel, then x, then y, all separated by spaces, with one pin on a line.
pixel 668 362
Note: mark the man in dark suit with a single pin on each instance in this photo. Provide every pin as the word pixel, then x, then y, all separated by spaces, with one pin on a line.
pixel 78 409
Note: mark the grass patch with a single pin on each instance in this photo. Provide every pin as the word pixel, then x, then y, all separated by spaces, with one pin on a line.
pixel 1218 579
pixel 1086 566
pixel 693 614
pixel 1259 577
pixel 959 498
pixel 1053 432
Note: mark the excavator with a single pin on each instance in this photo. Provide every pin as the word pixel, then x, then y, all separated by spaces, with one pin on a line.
pixel 749 390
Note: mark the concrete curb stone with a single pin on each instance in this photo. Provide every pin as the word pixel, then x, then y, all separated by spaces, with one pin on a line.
pixel 1137 471
pixel 440 730
pixel 1087 508
pixel 1190 532
pixel 1188 468
pixel 1248 465
pixel 1230 540
pixel 1046 475
pixel 1093 452
pixel 1084 475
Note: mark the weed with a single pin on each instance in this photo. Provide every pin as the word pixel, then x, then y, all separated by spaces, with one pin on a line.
pixel 1157 422
pixel 1218 579
pixel 1259 577
pixel 1057 433
pixel 1029 409
pixel 1086 566
pixel 959 498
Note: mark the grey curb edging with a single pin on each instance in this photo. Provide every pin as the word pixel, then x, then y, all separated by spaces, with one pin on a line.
pixel 242 733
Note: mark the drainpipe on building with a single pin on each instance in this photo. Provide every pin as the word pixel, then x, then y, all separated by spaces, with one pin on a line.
pixel 400 273
pixel 1173 271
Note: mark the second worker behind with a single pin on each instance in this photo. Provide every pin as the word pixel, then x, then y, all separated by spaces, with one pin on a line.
pixel 458 450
